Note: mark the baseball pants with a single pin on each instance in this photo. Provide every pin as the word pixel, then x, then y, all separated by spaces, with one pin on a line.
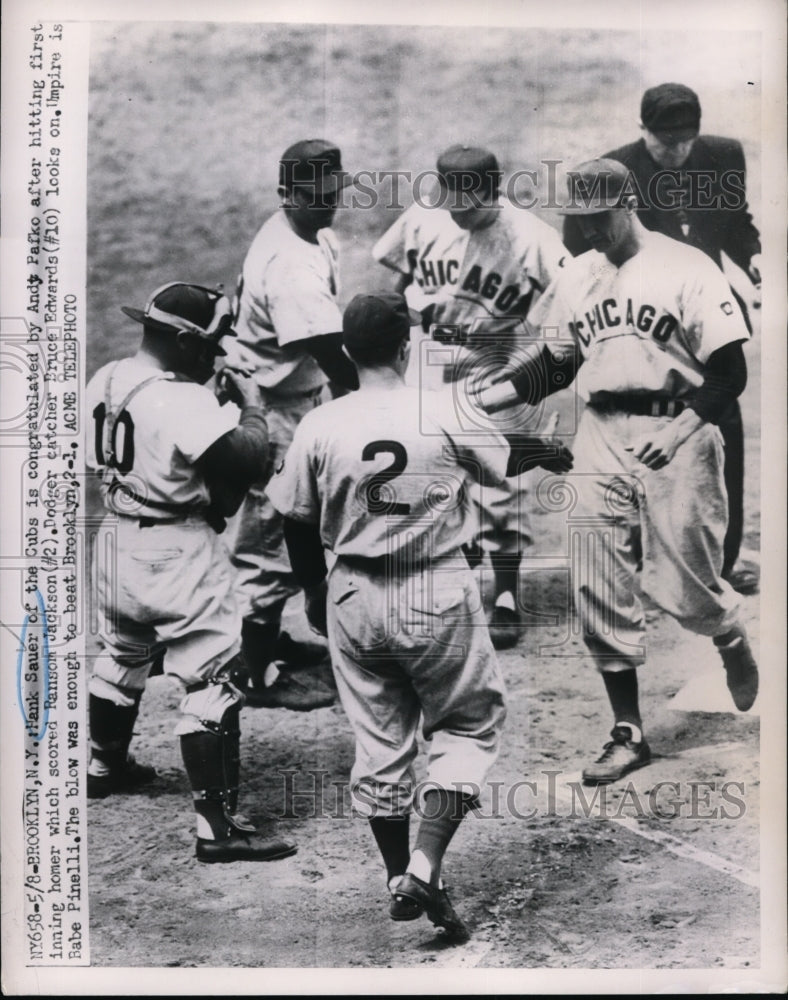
pixel 681 513
pixel 164 588
pixel 504 522
pixel 255 536
pixel 406 649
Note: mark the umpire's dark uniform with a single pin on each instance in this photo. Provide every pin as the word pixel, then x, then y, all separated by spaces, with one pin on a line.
pixel 703 204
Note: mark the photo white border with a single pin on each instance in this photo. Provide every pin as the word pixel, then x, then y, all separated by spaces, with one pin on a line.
pixel 698 15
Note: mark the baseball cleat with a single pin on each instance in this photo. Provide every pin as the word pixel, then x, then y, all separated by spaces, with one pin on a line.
pixel 126 779
pixel 243 846
pixel 298 654
pixel 745 578
pixel 618 757
pixel 414 895
pixel 740 668
pixel 504 627
pixel 298 692
pixel 402 908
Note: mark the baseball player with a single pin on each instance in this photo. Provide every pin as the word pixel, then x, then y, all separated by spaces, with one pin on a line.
pixel 658 361
pixel 289 336
pixel 173 464
pixel 692 187
pixel 379 478
pixel 477 263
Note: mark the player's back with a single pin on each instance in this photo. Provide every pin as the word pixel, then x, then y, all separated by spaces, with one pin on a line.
pixel 160 424
pixel 391 468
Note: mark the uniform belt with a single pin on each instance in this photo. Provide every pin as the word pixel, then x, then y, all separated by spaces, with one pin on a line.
pixel 399 564
pixel 638 405
pixel 151 522
pixel 273 398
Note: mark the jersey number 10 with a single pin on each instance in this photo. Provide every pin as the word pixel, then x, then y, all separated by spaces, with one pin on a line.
pixel 124 460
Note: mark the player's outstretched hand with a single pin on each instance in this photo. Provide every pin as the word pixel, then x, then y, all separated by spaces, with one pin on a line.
pixel 315 599
pixel 561 462
pixel 563 459
pixel 235 385
pixel 656 448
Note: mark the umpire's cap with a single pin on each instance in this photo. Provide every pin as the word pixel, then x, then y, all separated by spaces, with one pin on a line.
pixel 598 186
pixel 671 112
pixel 182 306
pixel 373 323
pixel 469 168
pixel 313 163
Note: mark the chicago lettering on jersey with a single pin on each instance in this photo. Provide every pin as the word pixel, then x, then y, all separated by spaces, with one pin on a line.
pixel 608 314
pixel 432 274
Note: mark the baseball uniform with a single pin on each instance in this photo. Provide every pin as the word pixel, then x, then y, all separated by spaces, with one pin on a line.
pixel 385 475
pixel 171 460
pixel 287 293
pixel 472 278
pixel 170 585
pixel 703 203
pixel 645 330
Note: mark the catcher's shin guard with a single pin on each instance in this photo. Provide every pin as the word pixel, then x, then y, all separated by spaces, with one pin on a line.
pixel 211 760
pixel 205 758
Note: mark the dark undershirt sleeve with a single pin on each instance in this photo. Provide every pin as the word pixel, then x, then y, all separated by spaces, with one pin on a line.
pixel 546 373
pixel 723 381
pixel 236 460
pixel 305 549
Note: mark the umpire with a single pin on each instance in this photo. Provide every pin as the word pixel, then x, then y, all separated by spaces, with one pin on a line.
pixel 692 188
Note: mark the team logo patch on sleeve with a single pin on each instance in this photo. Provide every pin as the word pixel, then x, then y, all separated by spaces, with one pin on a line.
pixel 727 308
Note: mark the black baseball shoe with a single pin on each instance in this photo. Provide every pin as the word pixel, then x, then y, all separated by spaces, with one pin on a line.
pixel 620 756
pixel 128 778
pixel 298 654
pixel 413 894
pixel 300 692
pixel 741 670
pixel 243 845
pixel 504 627
pixel 745 578
pixel 402 908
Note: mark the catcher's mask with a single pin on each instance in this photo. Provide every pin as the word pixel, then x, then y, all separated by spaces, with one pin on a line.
pixel 180 306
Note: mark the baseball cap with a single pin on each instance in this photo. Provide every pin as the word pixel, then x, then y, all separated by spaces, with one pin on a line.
pixel 597 186
pixel 460 162
pixel 373 322
pixel 181 306
pixel 671 111
pixel 313 162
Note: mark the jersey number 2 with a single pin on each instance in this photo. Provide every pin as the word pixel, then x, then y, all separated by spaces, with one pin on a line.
pixel 124 461
pixel 377 503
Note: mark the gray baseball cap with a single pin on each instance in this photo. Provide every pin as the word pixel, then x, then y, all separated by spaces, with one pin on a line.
pixel 598 186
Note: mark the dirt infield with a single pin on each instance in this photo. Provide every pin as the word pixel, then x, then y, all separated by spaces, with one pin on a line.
pixel 186 126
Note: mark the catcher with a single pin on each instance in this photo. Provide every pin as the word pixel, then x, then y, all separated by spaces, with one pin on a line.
pixel 160 440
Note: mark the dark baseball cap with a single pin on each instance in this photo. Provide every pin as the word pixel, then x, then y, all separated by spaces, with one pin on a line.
pixel 671 111
pixel 374 322
pixel 313 163
pixel 597 186
pixel 469 168
pixel 181 306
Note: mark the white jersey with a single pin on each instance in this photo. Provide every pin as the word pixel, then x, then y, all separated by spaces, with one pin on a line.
pixel 287 292
pixel 159 434
pixel 493 272
pixel 385 473
pixel 648 326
